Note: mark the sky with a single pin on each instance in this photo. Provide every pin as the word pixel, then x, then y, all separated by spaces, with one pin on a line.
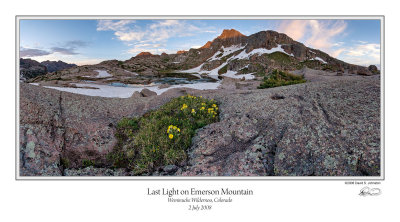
pixel 92 41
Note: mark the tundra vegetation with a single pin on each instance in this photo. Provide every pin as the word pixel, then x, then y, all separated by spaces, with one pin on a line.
pixel 280 78
pixel 161 137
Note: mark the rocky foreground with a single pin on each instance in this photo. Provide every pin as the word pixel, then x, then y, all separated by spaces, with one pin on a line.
pixel 329 126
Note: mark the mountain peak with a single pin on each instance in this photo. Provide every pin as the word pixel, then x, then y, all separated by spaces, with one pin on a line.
pixel 144 54
pixel 207 45
pixel 230 33
pixel 181 51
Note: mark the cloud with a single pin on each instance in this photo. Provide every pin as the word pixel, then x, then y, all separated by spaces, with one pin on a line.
pixel 75 59
pixel 337 52
pixel 76 44
pixel 293 28
pixel 364 50
pixel 157 31
pixel 69 47
pixel 129 36
pixel 151 37
pixel 138 50
pixel 106 25
pixel 362 54
pixel 27 52
pixel 154 48
pixel 65 51
pixel 319 34
pixel 338 44
pixel 323 34
pixel 66 48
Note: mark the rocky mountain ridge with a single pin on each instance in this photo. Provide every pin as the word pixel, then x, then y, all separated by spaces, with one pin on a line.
pixel 54 66
pixel 31 69
pixel 231 53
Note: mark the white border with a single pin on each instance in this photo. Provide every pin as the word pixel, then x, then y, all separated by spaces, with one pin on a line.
pixel 205 178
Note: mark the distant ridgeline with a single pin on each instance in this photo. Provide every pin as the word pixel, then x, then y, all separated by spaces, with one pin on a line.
pixel 231 54
pixel 30 68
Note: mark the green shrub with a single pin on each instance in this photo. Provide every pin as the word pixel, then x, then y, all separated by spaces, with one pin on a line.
pixel 280 57
pixel 64 162
pixel 228 56
pixel 279 78
pixel 223 70
pixel 161 137
pixel 87 163
pixel 244 70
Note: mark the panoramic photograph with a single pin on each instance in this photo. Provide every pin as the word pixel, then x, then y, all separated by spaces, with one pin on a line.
pixel 199 97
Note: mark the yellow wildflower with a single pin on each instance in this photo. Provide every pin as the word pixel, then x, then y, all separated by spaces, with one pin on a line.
pixel 214 105
pixel 171 136
pixel 193 111
pixel 184 106
pixel 202 108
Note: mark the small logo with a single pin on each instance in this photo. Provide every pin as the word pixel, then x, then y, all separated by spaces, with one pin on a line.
pixel 366 191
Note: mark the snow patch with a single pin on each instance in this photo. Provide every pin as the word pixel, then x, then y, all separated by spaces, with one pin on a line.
pixel 226 51
pixel 126 92
pixel 242 55
pixel 101 74
pixel 319 59
pixel 232 74
pixel 134 73
pixel 193 70
pixel 260 51
pixel 212 73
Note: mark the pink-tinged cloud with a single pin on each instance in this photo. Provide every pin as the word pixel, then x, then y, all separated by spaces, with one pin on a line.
pixel 337 52
pixel 319 34
pixel 293 28
pixel 323 33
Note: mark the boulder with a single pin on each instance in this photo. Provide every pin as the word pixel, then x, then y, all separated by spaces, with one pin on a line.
pixel 136 95
pixel 60 130
pixel 147 93
pixel 363 71
pixel 315 129
pixel 373 69
pixel 164 86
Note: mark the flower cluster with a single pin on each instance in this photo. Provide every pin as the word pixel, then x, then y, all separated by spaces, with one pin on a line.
pixel 212 111
pixel 191 97
pixel 198 107
pixel 184 106
pixel 172 130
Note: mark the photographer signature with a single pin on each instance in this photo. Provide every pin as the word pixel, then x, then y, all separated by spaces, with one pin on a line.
pixel 366 191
